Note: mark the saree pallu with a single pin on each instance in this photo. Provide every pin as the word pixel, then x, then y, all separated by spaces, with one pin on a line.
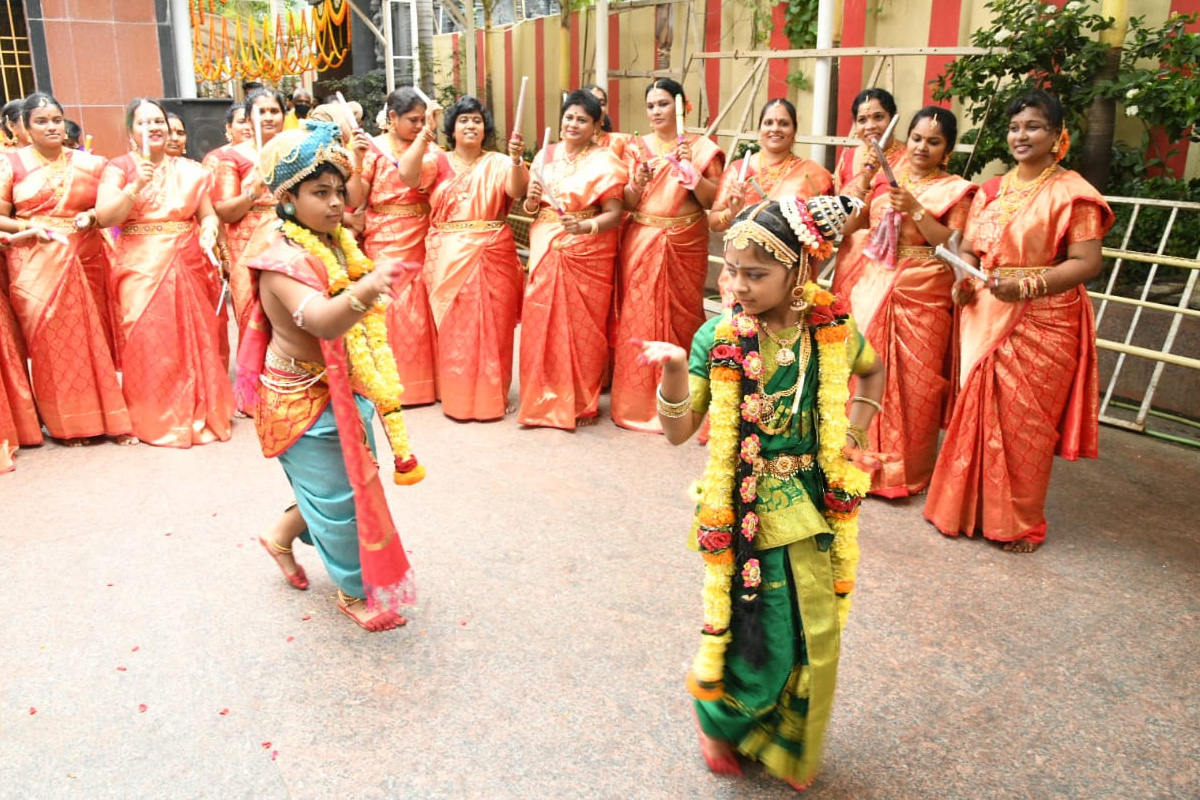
pixel 474 279
pixel 18 416
pixel 908 317
pixel 74 378
pixel 396 224
pixel 849 261
pixel 564 335
pixel 175 385
pixel 232 167
pixel 615 142
pixel 1027 374
pixel 661 269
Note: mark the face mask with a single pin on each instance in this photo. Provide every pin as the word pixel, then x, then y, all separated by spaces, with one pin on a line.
pixel 301 110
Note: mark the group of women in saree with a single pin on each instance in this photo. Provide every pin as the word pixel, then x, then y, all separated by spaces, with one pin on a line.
pixel 77 306
pixel 1006 366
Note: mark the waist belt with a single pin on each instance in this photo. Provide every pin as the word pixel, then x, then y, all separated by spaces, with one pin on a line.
pixel 550 215
pixel 63 224
pixel 914 251
pixel 152 228
pixel 666 222
pixel 786 465
pixel 470 225
pixel 402 209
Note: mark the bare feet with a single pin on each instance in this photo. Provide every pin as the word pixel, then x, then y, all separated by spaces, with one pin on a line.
pixel 720 755
pixel 76 442
pixel 509 407
pixel 1022 546
pixel 278 544
pixel 586 422
pixel 126 440
pixel 356 609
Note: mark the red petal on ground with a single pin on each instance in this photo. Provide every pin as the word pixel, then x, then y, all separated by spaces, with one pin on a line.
pixel 141 708
pixel 32 711
pixel 274 754
pixel 108 584
pixel 224 712
pixel 290 639
pixel 266 745
pixel 136 647
pixel 122 669
pixel 306 617
pixel 462 622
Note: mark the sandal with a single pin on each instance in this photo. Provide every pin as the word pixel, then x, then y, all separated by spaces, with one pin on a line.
pixel 384 621
pixel 297 579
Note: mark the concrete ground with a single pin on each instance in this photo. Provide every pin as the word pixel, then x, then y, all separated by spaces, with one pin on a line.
pixel 151 649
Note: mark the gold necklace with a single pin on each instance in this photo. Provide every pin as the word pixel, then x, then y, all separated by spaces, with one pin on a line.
pixel 664 147
pixel 767 406
pixel 571 163
pixel 462 164
pixel 785 355
pixel 55 171
pixel 1013 193
pixel 907 182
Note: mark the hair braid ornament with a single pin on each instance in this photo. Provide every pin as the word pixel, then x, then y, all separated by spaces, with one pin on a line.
pixel 372 362
pixel 725 522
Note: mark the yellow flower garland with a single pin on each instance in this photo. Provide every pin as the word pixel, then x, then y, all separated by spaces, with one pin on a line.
pixel 705 681
pixel 371 359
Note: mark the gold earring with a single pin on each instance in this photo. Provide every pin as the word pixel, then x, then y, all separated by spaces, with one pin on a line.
pixel 798 302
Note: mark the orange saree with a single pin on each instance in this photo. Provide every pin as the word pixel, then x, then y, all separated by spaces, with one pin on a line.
pixel 74 377
pixel 616 142
pixel 564 331
pixel 233 165
pixel 660 271
pixel 18 416
pixel 908 317
pixel 474 280
pixel 849 251
pixel 397 221
pixel 175 384
pixel 1027 370
pixel 793 177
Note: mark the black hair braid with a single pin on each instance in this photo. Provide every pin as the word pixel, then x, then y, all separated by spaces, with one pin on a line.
pixel 746 602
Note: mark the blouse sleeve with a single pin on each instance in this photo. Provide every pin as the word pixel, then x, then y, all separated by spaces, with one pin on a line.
pixel 227 184
pixel 1086 224
pixel 113 175
pixel 862 355
pixel 698 370
pixel 956 218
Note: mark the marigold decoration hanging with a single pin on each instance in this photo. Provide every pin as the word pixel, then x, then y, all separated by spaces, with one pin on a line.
pixel 735 353
pixel 372 362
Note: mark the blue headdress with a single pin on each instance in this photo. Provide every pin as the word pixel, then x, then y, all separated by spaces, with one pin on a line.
pixel 295 154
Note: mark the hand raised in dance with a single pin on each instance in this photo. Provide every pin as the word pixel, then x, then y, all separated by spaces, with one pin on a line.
pixel 659 353
pixel 516 146
pixel 145 172
pixel 360 144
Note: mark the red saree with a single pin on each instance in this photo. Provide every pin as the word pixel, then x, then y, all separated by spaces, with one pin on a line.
pixel 233 165
pixel 660 271
pixel 74 377
pixel 175 385
pixel 849 252
pixel 211 161
pixel 474 280
pixel 1027 370
pixel 908 317
pixel 18 416
pixel 397 221
pixel 564 331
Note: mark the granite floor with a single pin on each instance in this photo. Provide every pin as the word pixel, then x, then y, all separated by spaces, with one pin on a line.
pixel 150 649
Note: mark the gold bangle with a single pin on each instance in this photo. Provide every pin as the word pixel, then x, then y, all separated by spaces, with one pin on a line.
pixel 672 410
pixel 595 226
pixel 858 435
pixel 875 404
pixel 356 305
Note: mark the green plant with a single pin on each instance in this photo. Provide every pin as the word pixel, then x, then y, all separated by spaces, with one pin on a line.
pixel 1036 45
pixel 368 88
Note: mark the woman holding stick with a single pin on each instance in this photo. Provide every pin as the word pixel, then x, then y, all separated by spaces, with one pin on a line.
pixel 396 223
pixel 1027 375
pixel 471 266
pixel 576 200
pixel 663 261
pixel 174 383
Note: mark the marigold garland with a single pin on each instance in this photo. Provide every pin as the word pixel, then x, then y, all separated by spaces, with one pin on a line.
pixel 715 518
pixel 372 362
